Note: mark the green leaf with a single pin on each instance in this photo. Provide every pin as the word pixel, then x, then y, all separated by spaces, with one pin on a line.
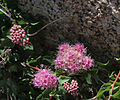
pixel 6 43
pixel 116 84
pixel 33 60
pixel 44 94
pixel 8 36
pixel 28 47
pixel 48 60
pixel 57 97
pixel 102 64
pixel 63 79
pixel 1 12
pixel 118 59
pixel 117 95
pixel 21 22
pixel 88 79
pixel 104 88
pixel 61 91
pixel 52 93
pixel 112 75
pixel 34 23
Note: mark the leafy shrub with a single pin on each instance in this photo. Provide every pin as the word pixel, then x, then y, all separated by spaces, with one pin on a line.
pixel 72 65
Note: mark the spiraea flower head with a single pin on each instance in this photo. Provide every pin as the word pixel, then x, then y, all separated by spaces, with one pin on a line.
pixel 87 62
pixel 44 78
pixel 72 58
pixel 63 48
pixel 80 48
pixel 71 88
pixel 18 35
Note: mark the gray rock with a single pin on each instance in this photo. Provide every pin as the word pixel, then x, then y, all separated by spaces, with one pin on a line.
pixel 96 23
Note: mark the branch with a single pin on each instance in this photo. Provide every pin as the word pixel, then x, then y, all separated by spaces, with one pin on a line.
pixel 44 27
pixel 7 14
pixel 5 8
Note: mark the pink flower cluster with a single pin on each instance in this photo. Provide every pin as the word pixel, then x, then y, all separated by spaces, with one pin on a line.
pixel 45 79
pixel 73 58
pixel 71 88
pixel 18 35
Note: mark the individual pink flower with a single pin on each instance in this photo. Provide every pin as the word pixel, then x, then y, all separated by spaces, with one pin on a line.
pixel 87 62
pixel 71 88
pixel 63 48
pixel 72 58
pixel 59 61
pixel 45 79
pixel 18 36
pixel 80 48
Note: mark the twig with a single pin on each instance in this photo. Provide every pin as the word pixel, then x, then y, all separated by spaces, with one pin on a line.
pixel 23 64
pixel 5 8
pixel 8 15
pixel 7 93
pixel 44 27
pixel 114 84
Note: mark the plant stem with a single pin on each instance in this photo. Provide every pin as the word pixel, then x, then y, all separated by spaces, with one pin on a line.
pixel 38 97
pixel 33 34
pixel 114 84
pixel 23 64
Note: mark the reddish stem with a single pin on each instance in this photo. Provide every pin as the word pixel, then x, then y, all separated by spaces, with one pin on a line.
pixel 63 73
pixel 114 84
pixel 30 66
pixel 50 98
pixel 33 67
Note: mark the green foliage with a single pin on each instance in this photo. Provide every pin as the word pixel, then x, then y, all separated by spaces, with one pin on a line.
pixel 16 80
pixel 63 79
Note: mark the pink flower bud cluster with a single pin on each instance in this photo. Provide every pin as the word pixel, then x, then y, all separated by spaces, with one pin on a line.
pixel 45 79
pixel 18 35
pixel 73 58
pixel 71 88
